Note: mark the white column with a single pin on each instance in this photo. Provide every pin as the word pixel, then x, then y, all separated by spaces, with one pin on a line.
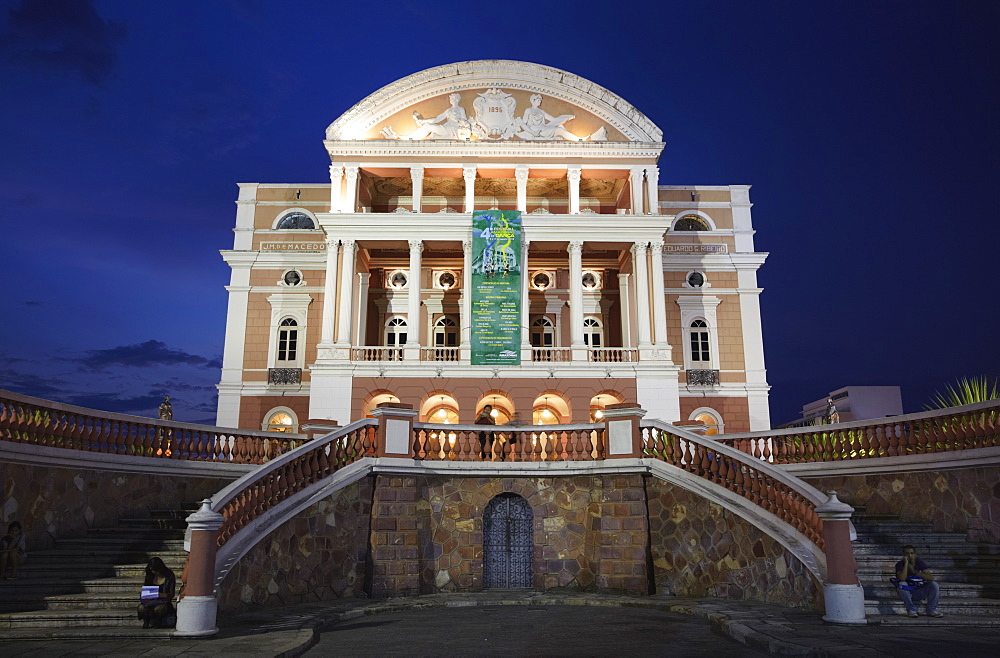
pixel 469 174
pixel 641 293
pixel 362 306
pixel 521 175
pixel 231 384
pixel 753 348
pixel 626 309
pixel 466 318
pixel 417 176
pixel 739 199
pixel 346 294
pixel 330 292
pixel 336 193
pixel 653 189
pixel 525 306
pixel 659 303
pixel 351 198
pixel 573 176
pixel 413 296
pixel 575 250
pixel 636 188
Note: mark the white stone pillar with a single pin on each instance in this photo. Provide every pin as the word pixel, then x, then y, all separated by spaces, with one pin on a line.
pixel 469 174
pixel 362 306
pixel 636 184
pixel 413 299
pixel 346 294
pixel 525 306
pixel 659 302
pixel 336 193
pixel 626 310
pixel 417 176
pixel 575 250
pixel 641 294
pixel 466 319
pixel 653 189
pixel 330 292
pixel 521 175
pixel 351 197
pixel 753 347
pixel 573 177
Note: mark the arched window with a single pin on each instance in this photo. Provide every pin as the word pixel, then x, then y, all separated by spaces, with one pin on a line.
pixel 544 415
pixel 699 340
pixel 443 414
pixel 542 332
pixel 296 220
pixel 395 332
pixel 593 333
pixel 691 223
pixel 280 419
pixel 445 332
pixel 710 418
pixel 288 341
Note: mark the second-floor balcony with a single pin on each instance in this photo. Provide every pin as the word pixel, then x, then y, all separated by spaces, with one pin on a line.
pixel 459 355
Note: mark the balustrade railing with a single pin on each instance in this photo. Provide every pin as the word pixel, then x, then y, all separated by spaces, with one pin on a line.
pixel 376 354
pixel 767 486
pixel 702 377
pixel 514 443
pixel 284 376
pixel 944 430
pixel 545 354
pixel 613 355
pixel 439 354
pixel 29 420
pixel 252 495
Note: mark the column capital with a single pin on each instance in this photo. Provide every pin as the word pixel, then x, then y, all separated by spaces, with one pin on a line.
pixel 636 247
pixel 336 171
pixel 331 242
pixel 656 246
pixel 521 173
pixel 417 171
pixel 652 171
pixel 575 246
pixel 636 173
pixel 467 246
pixel 574 174
pixel 469 173
pixel 351 171
pixel 524 244
pixel 416 245
pixel 348 244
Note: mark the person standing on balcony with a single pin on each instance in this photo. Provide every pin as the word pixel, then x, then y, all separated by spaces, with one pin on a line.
pixel 485 418
pixel 914 583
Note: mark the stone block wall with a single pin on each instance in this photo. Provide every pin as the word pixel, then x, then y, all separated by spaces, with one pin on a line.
pixel 319 555
pixel 699 548
pixel 964 500
pixel 56 502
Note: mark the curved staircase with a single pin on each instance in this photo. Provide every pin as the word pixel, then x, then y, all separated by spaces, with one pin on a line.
pixel 89 586
pixel 968 573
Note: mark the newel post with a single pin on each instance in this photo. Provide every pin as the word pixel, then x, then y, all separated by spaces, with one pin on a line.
pixel 197 610
pixel 395 429
pixel 623 436
pixel 842 593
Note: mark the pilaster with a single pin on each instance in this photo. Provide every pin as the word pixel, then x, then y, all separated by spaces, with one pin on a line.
pixel 575 249
pixel 336 188
pixel 639 266
pixel 411 351
pixel 521 176
pixel 329 295
pixel 351 196
pixel 573 175
pixel 659 303
pixel 653 189
pixel 417 176
pixel 469 175
pixel 346 295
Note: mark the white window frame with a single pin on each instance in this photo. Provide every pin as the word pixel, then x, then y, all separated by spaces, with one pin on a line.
pixel 293 428
pixel 683 213
pixel 442 324
pixel 700 308
pixel 296 307
pixel 548 328
pixel 288 211
pixel 395 321
pixel 719 423
pixel 590 329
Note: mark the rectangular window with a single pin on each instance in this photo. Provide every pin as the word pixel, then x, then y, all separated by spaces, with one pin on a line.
pixel 699 346
pixel 287 344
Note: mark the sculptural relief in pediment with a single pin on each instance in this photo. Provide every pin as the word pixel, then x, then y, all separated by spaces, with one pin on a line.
pixel 495 117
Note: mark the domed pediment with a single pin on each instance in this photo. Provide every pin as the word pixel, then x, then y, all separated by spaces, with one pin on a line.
pixel 494 100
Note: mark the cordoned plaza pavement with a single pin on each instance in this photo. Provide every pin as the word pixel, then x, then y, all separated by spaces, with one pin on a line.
pixel 527 623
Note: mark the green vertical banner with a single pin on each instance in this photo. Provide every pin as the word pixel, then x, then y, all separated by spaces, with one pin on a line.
pixel 496 287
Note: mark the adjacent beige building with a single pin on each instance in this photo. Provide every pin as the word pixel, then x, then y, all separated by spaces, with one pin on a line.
pixel 351 293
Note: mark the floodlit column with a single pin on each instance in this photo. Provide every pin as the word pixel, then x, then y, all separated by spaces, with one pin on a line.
pixel 626 309
pixel 346 294
pixel 573 176
pixel 659 302
pixel 469 174
pixel 641 293
pixel 351 198
pixel 336 198
pixel 521 175
pixel 362 306
pixel 196 612
pixel 843 595
pixel 466 297
pixel 636 180
pixel 575 249
pixel 653 189
pixel 525 306
pixel 330 291
pixel 413 298
pixel 417 176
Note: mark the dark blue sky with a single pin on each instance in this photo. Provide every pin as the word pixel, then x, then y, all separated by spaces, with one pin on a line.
pixel 868 130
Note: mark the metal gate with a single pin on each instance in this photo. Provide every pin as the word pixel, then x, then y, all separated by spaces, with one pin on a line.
pixel 508 544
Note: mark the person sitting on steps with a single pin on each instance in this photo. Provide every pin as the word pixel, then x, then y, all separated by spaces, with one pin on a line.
pixel 914 582
pixel 154 611
pixel 12 550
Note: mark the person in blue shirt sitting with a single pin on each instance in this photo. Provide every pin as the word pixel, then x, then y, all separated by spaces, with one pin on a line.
pixel 914 582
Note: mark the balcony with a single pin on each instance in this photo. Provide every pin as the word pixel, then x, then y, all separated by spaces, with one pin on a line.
pixel 284 376
pixel 538 355
pixel 702 377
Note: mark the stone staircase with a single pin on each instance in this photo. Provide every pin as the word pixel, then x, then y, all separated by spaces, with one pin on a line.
pixel 968 573
pixel 89 587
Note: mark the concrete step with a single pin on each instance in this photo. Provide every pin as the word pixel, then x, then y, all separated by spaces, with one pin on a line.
pixel 925 550
pixel 29 589
pixel 887 563
pixel 898 540
pixel 948 621
pixel 135 533
pixel 89 544
pixel 132 632
pixel 81 601
pixel 883 527
pixel 50 619
pixel 152 522
pixel 886 590
pixel 55 557
pixel 961 607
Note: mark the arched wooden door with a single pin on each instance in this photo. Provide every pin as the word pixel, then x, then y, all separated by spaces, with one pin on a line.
pixel 508 543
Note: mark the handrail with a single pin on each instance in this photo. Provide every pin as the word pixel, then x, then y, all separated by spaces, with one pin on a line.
pixel 942 430
pixel 769 487
pixel 517 443
pixel 253 494
pixel 36 421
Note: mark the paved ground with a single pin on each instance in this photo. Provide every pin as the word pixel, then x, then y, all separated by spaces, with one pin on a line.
pixel 527 623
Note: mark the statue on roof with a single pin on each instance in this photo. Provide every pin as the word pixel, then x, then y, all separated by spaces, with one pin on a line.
pixel 453 123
